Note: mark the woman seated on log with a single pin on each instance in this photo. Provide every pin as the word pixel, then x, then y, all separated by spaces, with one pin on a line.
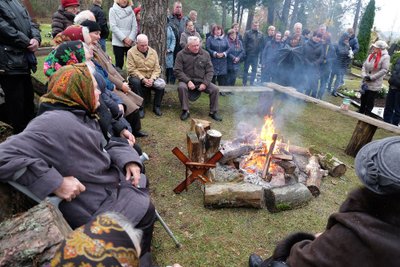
pixel 366 230
pixel 63 152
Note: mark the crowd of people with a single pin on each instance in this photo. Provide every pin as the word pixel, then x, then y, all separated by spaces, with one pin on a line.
pixel 95 112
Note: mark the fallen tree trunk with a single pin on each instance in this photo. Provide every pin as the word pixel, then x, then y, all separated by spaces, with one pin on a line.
pixel 335 167
pixel 233 195
pixel 32 238
pixel 286 197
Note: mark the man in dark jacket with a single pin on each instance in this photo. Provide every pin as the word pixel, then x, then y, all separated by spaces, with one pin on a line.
pixel 313 57
pixel 102 21
pixel 64 16
pixel 392 106
pixel 20 38
pixel 253 45
pixel 194 70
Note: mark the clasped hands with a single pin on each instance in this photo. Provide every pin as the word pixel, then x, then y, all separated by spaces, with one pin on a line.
pixel 191 86
pixel 71 187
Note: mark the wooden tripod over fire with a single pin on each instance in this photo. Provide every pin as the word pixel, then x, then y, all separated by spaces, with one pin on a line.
pixel 198 170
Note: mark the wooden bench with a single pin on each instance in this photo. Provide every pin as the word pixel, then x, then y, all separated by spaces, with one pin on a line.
pixel 229 89
pixel 365 128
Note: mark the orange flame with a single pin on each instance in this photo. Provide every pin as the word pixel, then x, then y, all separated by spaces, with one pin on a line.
pixel 256 160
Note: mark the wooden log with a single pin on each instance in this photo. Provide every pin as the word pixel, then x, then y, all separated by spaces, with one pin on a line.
pixel 213 139
pixel 282 157
pixel 288 165
pixel 194 147
pixel 233 195
pixel 231 153
pixel 6 131
pixel 315 174
pixel 299 150
pixel 32 238
pixel 362 135
pixel 12 201
pixel 335 167
pixel 286 197
pixel 206 124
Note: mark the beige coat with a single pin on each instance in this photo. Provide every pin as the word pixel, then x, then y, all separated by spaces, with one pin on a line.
pixel 376 74
pixel 131 100
pixel 143 67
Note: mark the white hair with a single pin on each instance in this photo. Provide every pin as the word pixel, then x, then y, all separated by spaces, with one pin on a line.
pixel 142 37
pixel 192 39
pixel 84 15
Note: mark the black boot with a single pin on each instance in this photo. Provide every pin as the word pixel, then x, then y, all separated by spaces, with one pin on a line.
pixel 255 260
pixel 158 96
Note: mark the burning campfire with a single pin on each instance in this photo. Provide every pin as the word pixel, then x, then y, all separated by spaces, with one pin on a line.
pixel 257 169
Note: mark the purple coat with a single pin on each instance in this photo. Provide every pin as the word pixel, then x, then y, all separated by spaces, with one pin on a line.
pixel 68 143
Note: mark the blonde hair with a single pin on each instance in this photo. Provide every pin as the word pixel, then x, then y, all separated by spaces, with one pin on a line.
pixel 129 2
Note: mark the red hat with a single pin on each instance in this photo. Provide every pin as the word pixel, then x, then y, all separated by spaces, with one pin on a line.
pixel 67 3
pixel 137 10
pixel 73 33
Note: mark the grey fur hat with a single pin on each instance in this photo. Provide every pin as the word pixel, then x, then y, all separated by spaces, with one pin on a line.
pixel 377 165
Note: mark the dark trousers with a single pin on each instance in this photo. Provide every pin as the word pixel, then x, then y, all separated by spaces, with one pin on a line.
pixel 147 226
pixel 251 60
pixel 392 107
pixel 120 54
pixel 19 107
pixel 169 73
pixel 231 77
pixel 311 81
pixel 367 102
pixel 324 78
pixel 221 79
pixel 134 121
pixel 145 92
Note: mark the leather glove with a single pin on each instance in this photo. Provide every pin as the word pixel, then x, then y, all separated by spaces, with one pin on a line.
pixel 367 78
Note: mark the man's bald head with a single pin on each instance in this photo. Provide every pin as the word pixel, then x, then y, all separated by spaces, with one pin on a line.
pixel 142 43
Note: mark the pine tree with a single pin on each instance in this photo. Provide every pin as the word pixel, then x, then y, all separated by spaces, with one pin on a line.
pixel 364 34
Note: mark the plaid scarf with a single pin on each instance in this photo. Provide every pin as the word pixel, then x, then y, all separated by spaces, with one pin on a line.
pixel 72 86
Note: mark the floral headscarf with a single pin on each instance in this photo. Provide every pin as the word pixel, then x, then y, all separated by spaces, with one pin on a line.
pixel 72 86
pixel 67 53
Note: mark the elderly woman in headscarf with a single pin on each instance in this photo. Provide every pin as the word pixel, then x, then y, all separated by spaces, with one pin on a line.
pixel 63 152
pixel 374 69
pixel 366 230
pixel 111 110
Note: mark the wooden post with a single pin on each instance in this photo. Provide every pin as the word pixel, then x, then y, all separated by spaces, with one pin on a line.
pixel 194 147
pixel 362 135
pixel 213 139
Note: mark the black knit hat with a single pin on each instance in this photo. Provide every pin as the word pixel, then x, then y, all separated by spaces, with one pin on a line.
pixel 91 25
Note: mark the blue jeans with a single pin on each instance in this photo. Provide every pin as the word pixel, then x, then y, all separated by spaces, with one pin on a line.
pixel 392 107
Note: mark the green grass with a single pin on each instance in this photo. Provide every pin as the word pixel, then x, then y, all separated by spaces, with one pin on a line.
pixel 226 237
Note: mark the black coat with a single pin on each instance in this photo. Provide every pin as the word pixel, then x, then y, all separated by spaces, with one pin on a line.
pixel 253 42
pixel 16 31
pixel 313 53
pixel 101 20
pixel 394 80
pixel 60 20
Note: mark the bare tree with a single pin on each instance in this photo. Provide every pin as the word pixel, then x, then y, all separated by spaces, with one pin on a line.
pixel 357 15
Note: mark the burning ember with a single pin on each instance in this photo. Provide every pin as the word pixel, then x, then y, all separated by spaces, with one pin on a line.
pixel 259 161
